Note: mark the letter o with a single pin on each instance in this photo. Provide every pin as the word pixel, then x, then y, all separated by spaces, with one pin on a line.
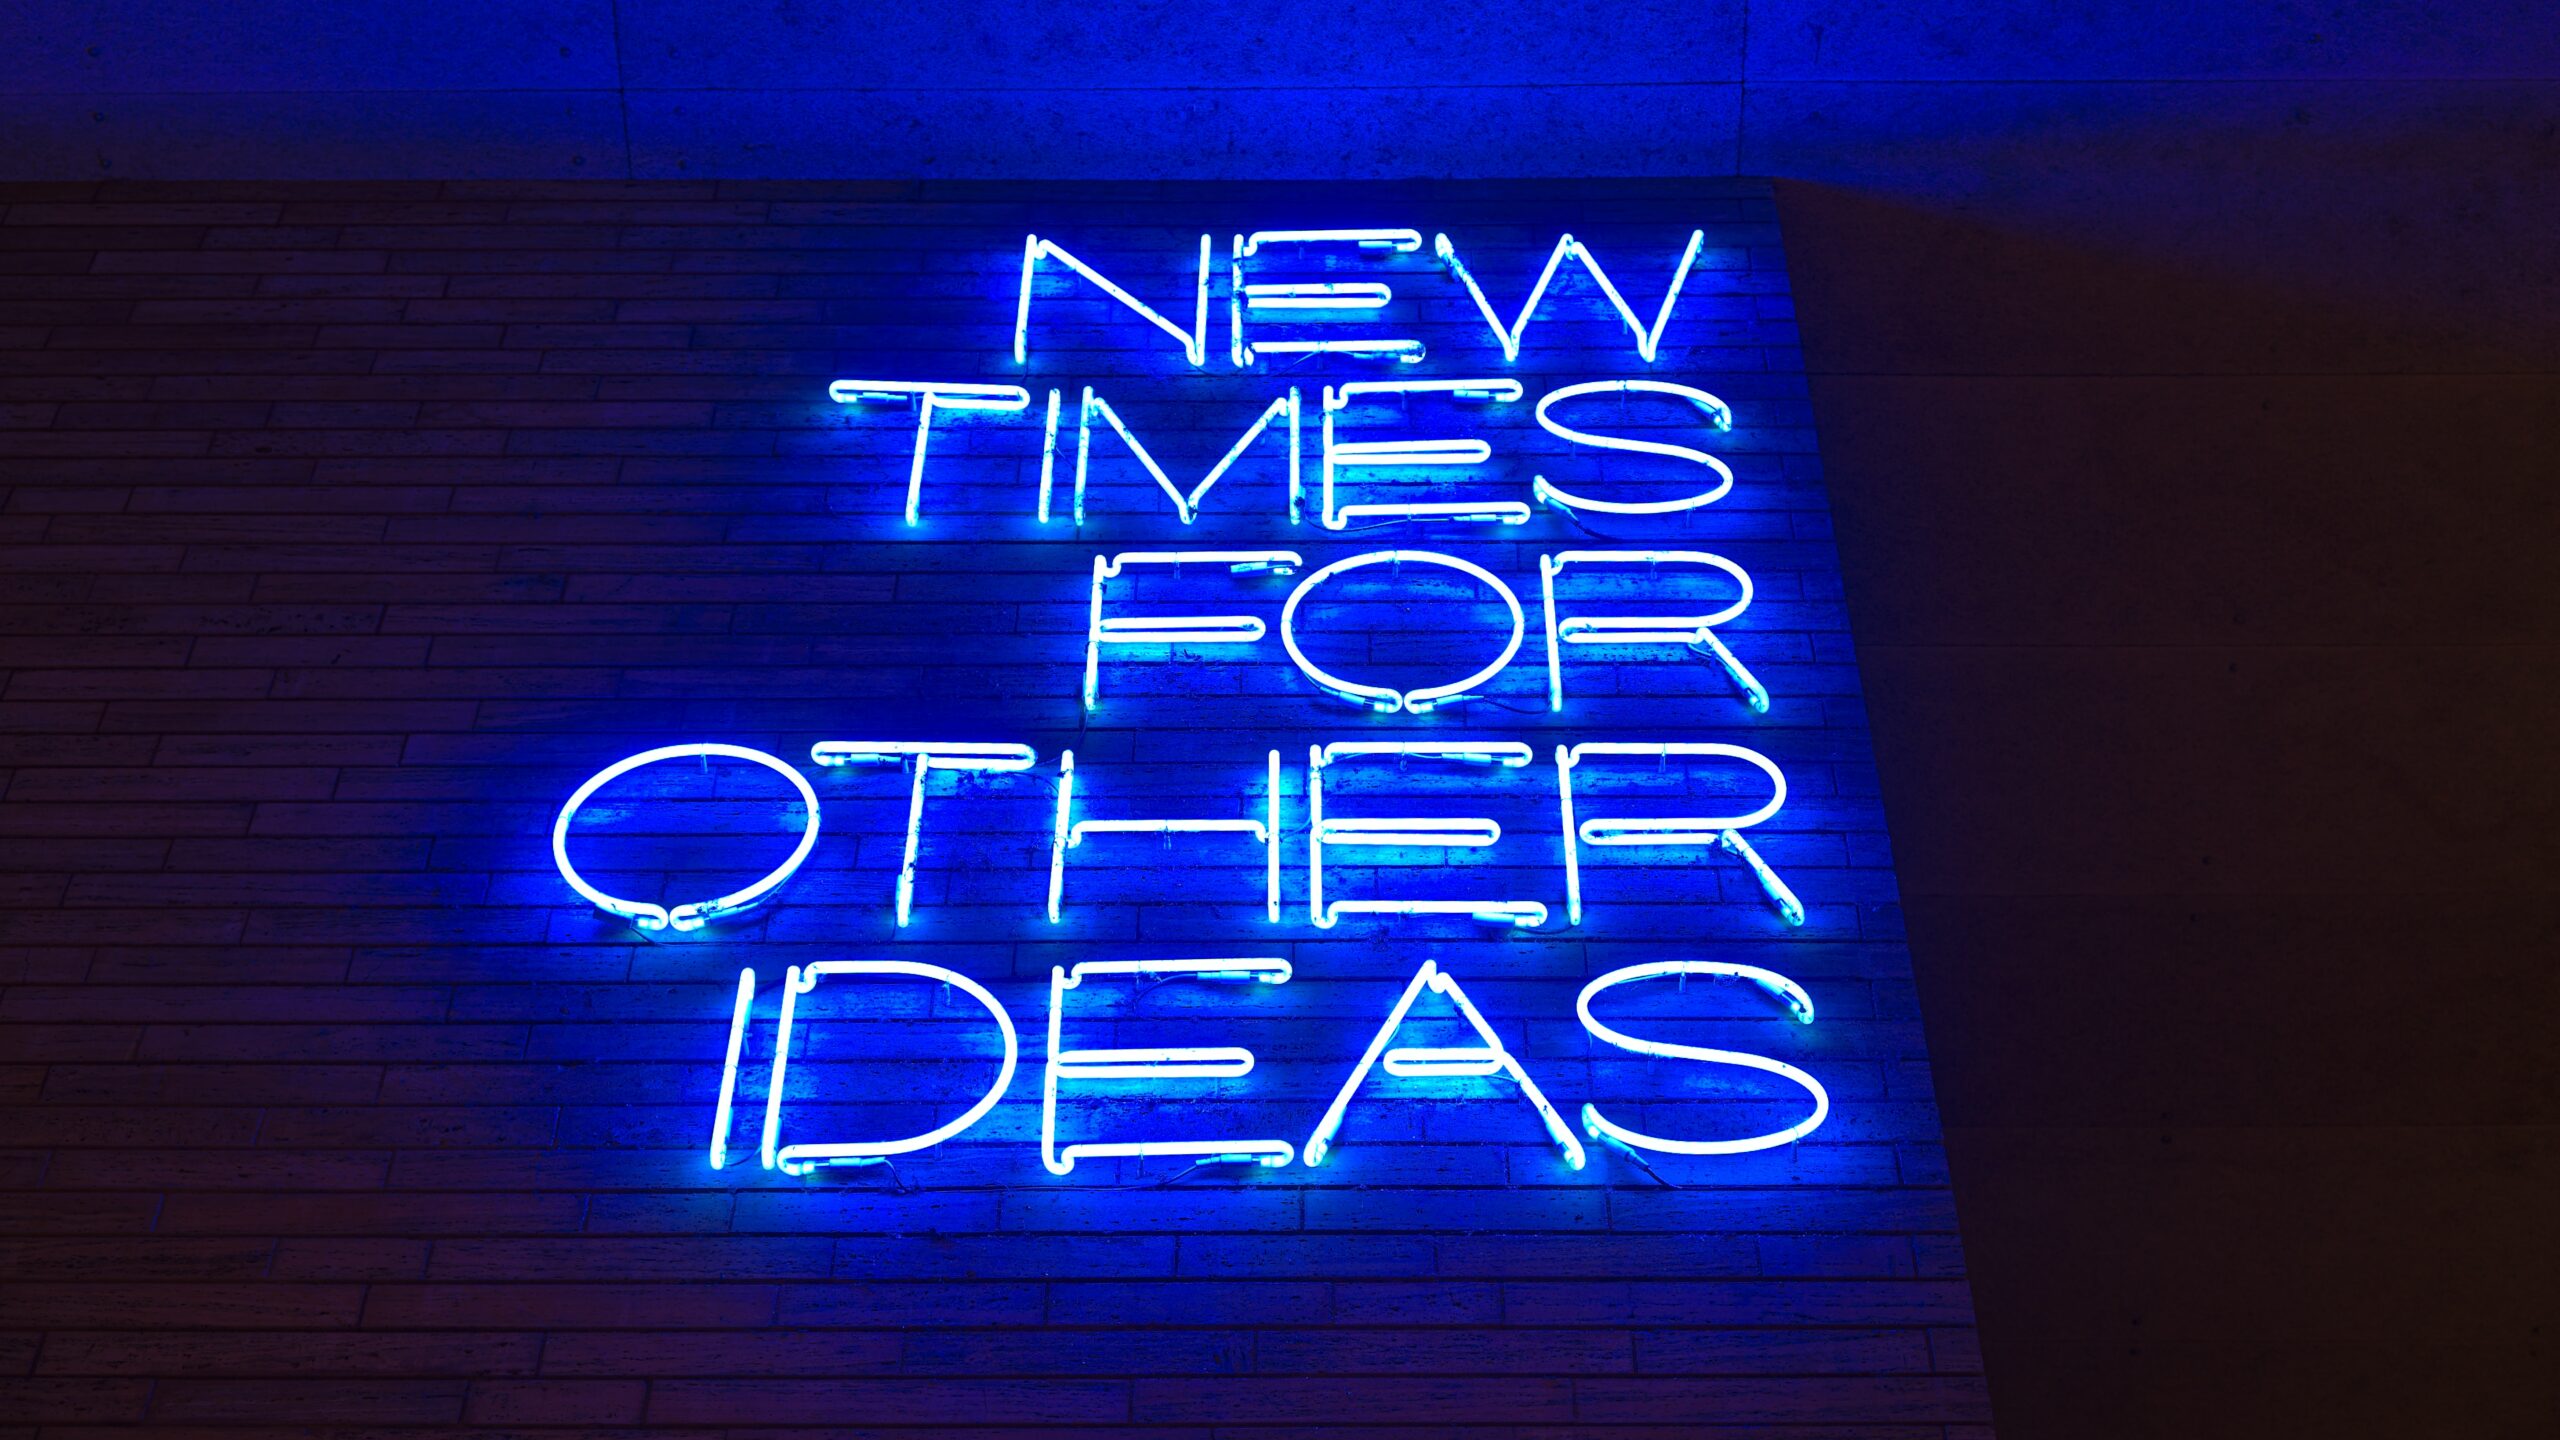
pixel 692 915
pixel 1379 697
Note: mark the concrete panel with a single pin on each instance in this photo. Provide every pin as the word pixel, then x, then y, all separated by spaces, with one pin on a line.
pixel 115 47
pixel 2244 510
pixel 1194 134
pixel 1199 48
pixel 2189 770
pixel 2194 40
pixel 2415 212
pixel 426 134
pixel 2160 1280
pixel 1932 288
pixel 2395 1010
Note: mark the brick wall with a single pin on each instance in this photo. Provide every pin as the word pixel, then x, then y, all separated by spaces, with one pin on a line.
pixel 349 527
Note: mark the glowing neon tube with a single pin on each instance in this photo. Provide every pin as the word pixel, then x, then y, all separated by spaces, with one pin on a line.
pixel 1316 911
pixel 746 999
pixel 1419 830
pixel 1271 842
pixel 1467 831
pixel 1403 242
pixel 1186 505
pixel 1161 1063
pixel 1648 338
pixel 1173 629
pixel 1494 389
pixel 930 396
pixel 1401 454
pixel 1521 914
pixel 1407 352
pixel 1420 699
pixel 1058 834
pixel 953 395
pixel 1494 512
pixel 1789 907
pixel 1411 452
pixel 1491 1058
pixel 915 840
pixel 1437 1061
pixel 693 915
pixel 1295 486
pixel 1600 1127
pixel 1357 295
pixel 1163 826
pixel 768 1152
pixel 1235 302
pixel 1048 456
pixel 1682 630
pixel 1509 754
pixel 945 754
pixel 1719 417
pixel 1754 694
pixel 1181 629
pixel 1195 341
pixel 801 1159
pixel 1669 830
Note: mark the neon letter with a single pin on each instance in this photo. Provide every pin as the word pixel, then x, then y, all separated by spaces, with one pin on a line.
pixel 801 1159
pixel 930 396
pixel 1490 1058
pixel 1469 832
pixel 1691 631
pixel 688 916
pixel 1411 454
pixel 1788 992
pixel 1648 340
pixel 1378 697
pixel 1185 505
pixel 729 1068
pixel 1719 417
pixel 926 756
pixel 1101 630
pixel 1403 242
pixel 1722 831
pixel 1334 296
pixel 1185 1063
pixel 1195 341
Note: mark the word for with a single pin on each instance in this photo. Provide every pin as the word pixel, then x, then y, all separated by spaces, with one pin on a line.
pixel 1488 1057
pixel 1695 633
pixel 922 760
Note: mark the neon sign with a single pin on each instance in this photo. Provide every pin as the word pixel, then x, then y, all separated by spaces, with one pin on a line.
pixel 1403 811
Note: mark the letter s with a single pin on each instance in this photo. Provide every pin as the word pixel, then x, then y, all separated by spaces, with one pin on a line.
pixel 1600 1127
pixel 1719 416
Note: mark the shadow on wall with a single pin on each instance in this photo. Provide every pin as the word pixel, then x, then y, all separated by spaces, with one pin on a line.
pixel 2197 525
pixel 2022 285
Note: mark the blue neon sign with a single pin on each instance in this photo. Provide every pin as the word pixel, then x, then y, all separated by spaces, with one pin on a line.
pixel 1704 795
